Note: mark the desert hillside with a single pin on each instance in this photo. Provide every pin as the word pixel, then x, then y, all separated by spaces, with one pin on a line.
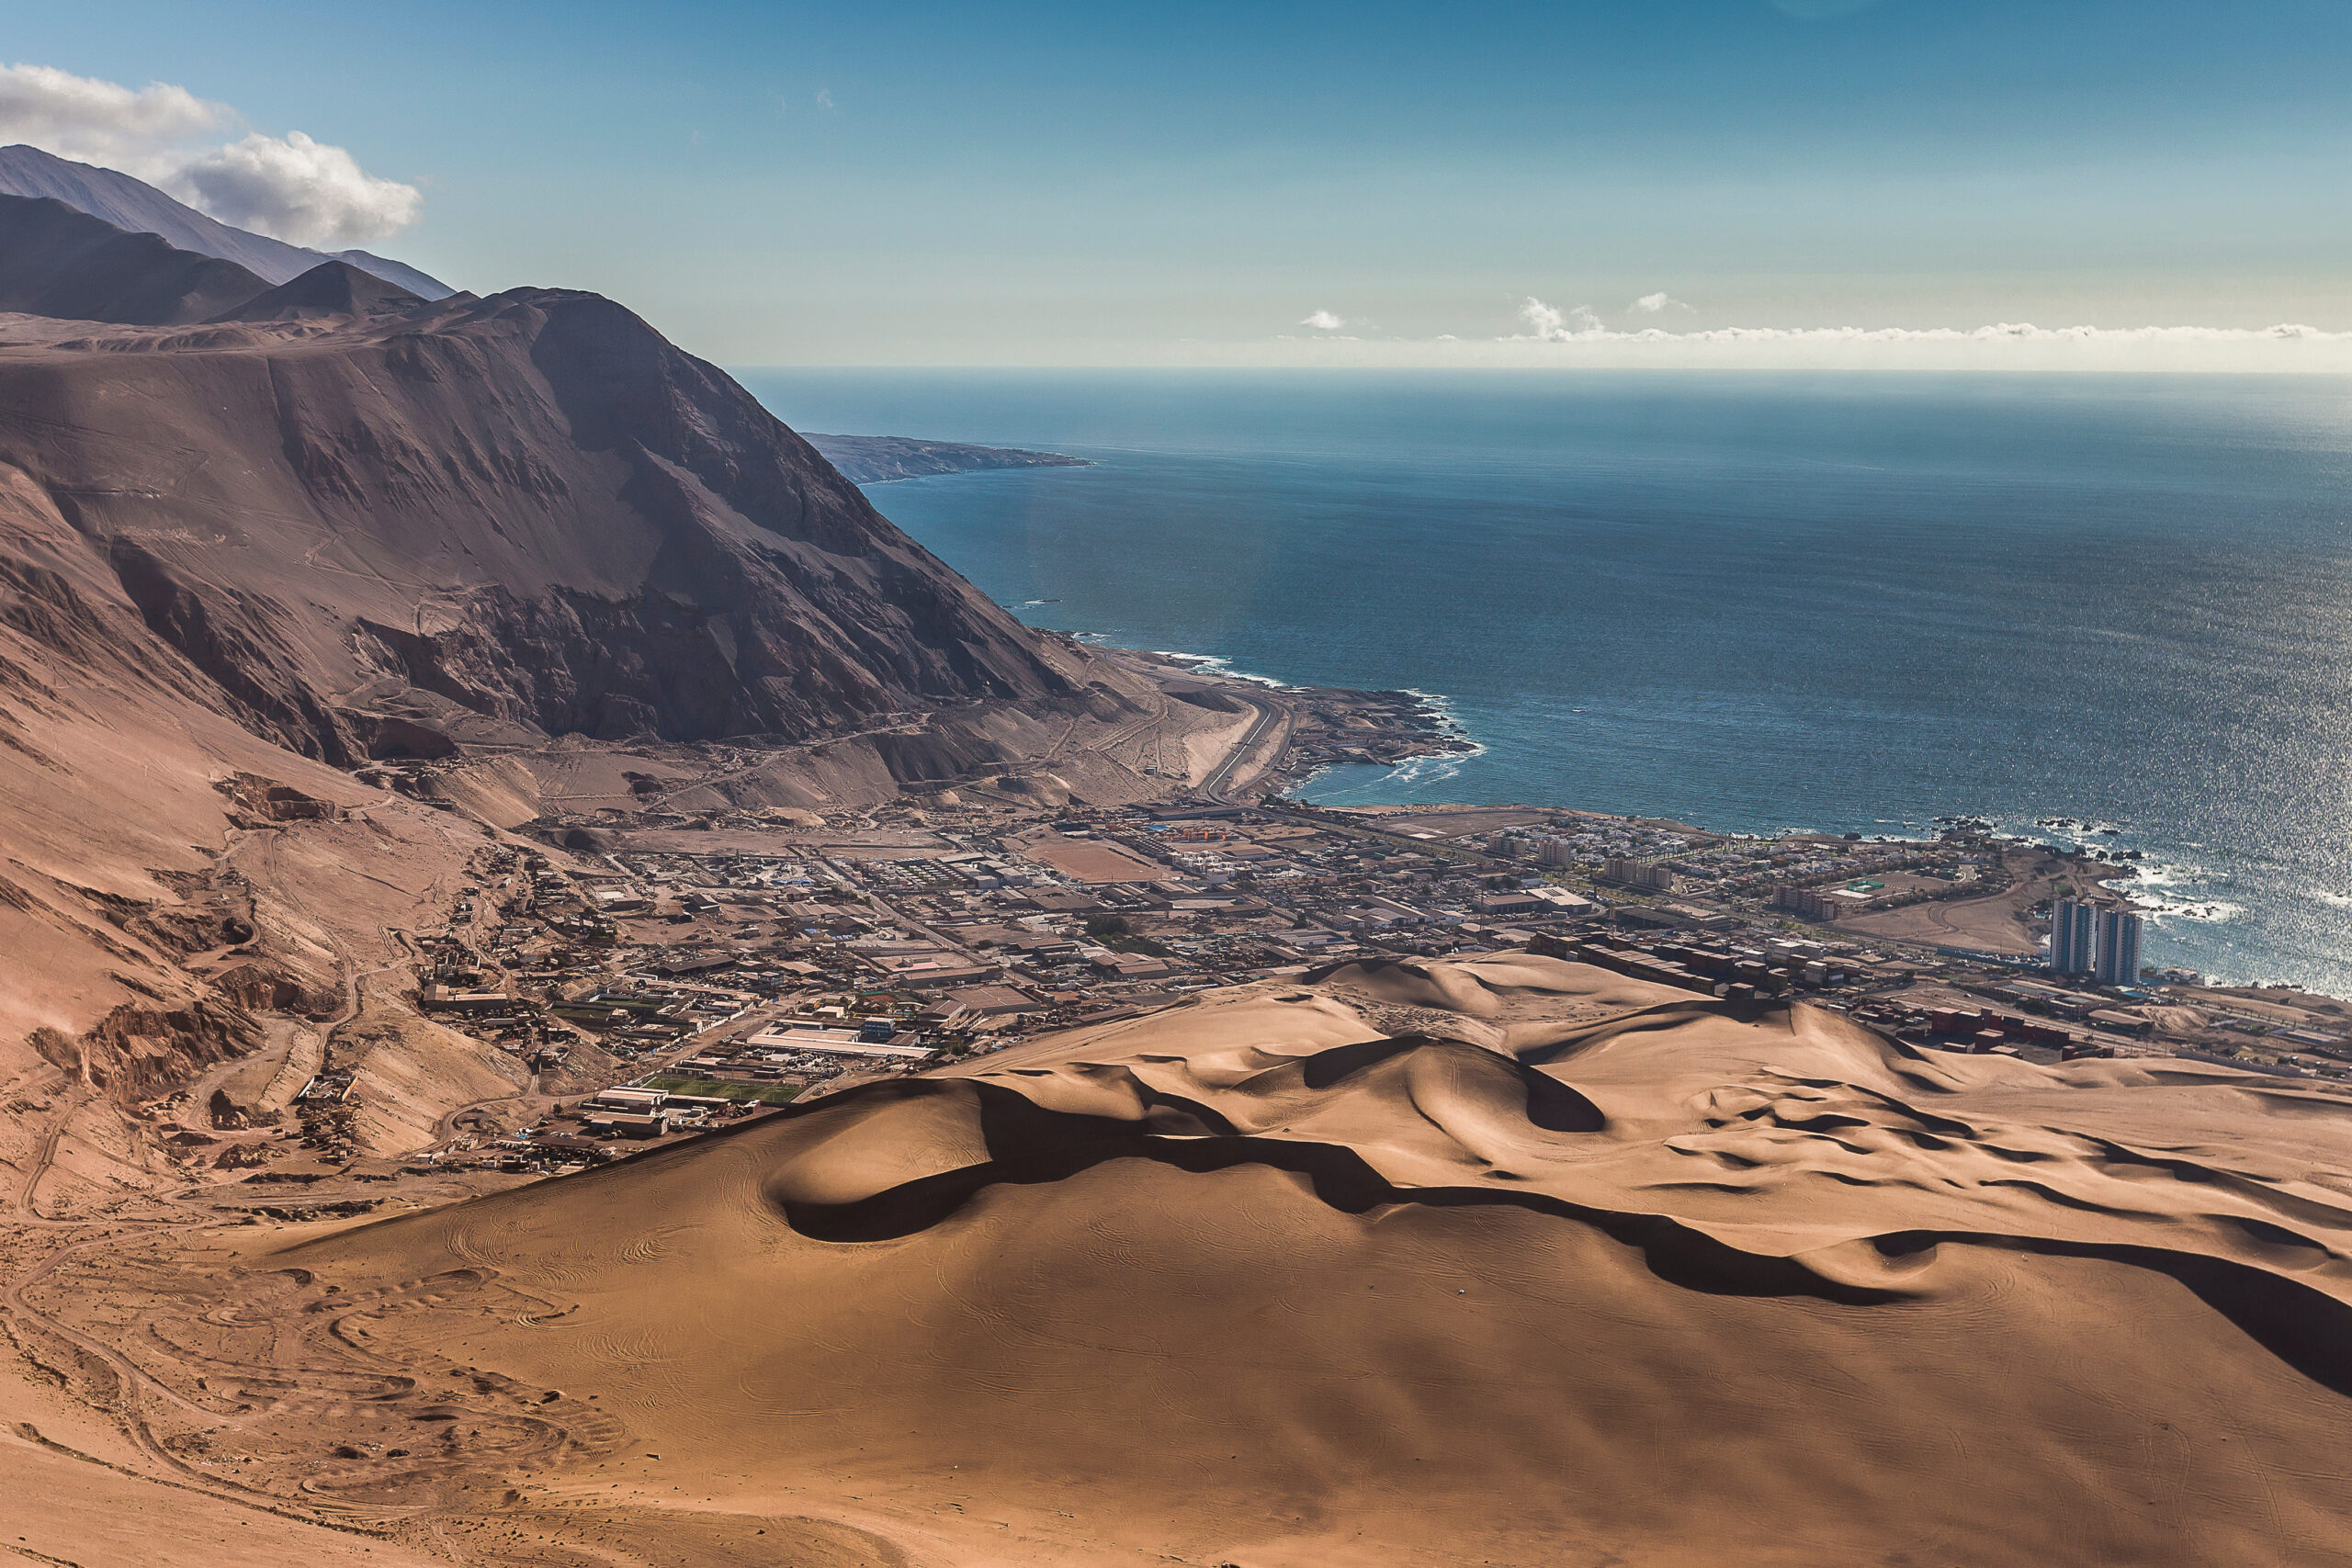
pixel 528 511
pixel 1506 1260
pixel 253 536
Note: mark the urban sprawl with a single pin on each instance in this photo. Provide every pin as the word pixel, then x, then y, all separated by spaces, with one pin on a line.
pixel 680 972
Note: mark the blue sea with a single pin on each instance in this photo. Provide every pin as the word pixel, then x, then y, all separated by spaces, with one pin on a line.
pixel 1751 602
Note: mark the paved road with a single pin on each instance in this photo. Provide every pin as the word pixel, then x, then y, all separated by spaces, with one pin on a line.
pixel 1213 787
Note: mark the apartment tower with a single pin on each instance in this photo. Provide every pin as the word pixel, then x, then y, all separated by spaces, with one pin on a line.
pixel 2118 948
pixel 2073 932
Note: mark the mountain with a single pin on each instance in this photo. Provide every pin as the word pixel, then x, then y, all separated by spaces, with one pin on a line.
pixel 250 536
pixel 136 206
pixel 530 508
pixel 400 275
pixel 330 288
pixel 56 261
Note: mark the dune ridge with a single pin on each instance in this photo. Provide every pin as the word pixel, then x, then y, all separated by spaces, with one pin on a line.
pixel 1285 1275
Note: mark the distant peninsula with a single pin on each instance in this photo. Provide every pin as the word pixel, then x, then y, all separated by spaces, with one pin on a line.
pixel 876 459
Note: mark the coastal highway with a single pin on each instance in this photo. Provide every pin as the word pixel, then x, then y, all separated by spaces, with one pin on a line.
pixel 1269 714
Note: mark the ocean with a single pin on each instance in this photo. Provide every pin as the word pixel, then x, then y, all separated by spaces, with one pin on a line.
pixel 1848 603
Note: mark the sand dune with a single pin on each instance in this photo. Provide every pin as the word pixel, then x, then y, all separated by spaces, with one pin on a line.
pixel 1270 1279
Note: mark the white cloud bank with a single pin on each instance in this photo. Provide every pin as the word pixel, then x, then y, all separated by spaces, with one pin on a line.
pixel 1579 338
pixel 1549 324
pixel 103 122
pixel 1323 321
pixel 1546 324
pixel 290 187
pixel 299 190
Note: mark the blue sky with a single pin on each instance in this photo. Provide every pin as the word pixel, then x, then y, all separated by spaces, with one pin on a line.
pixel 778 184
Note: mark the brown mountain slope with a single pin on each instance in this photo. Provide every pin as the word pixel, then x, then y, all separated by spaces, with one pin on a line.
pixel 359 526
pixel 330 288
pixel 56 261
pixel 140 208
pixel 177 894
pixel 1569 1269
pixel 530 507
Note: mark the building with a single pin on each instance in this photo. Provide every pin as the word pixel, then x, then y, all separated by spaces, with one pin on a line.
pixel 2073 925
pixel 1808 903
pixel 2118 960
pixel 1633 874
pixel 445 998
pixel 993 1001
pixel 1554 852
pixel 628 1125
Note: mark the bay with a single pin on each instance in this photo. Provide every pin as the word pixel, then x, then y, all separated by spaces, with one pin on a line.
pixel 1752 602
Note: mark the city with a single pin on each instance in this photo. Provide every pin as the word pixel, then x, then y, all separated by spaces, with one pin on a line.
pixel 698 969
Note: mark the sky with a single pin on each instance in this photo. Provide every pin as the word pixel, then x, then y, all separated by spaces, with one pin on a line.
pixel 2075 183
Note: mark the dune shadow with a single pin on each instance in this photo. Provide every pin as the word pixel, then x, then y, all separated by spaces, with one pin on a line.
pixel 1032 1146
pixel 2306 1329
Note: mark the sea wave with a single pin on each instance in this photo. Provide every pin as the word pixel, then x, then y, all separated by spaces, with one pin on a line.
pixel 1219 665
pixel 2178 873
pixel 2204 911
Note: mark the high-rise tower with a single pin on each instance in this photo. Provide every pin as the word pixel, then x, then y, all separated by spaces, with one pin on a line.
pixel 2118 948
pixel 2072 927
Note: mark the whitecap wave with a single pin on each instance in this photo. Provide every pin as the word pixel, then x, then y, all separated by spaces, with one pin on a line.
pixel 2203 911
pixel 1219 665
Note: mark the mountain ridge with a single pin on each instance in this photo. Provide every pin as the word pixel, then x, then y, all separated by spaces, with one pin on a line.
pixel 612 535
pixel 134 204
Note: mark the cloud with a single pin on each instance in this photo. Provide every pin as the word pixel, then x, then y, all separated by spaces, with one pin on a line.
pixel 1651 304
pixel 290 187
pixel 1550 336
pixel 825 99
pixel 2003 332
pixel 89 120
pixel 1549 324
pixel 299 190
pixel 1323 320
